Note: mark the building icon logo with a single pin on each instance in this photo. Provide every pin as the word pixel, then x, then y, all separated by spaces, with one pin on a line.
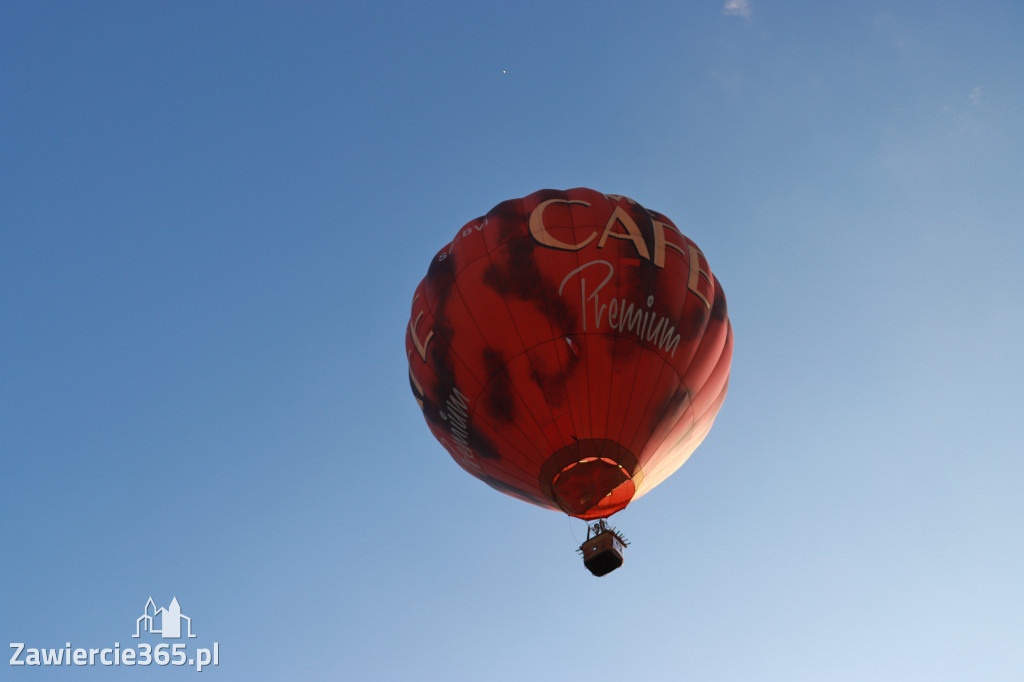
pixel 163 622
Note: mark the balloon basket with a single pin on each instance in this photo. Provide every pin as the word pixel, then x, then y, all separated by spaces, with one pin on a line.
pixel 602 551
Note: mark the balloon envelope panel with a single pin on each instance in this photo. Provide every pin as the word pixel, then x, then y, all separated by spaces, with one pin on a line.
pixel 570 349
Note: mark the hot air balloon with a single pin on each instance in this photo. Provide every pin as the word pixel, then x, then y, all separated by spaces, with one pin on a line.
pixel 570 349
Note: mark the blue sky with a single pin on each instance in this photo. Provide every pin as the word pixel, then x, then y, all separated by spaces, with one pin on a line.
pixel 213 218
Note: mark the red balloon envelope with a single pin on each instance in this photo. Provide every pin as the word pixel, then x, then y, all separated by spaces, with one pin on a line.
pixel 570 349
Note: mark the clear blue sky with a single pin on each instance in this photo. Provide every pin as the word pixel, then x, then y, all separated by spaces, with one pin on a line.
pixel 212 220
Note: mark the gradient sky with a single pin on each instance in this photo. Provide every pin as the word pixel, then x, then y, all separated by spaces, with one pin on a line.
pixel 212 220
